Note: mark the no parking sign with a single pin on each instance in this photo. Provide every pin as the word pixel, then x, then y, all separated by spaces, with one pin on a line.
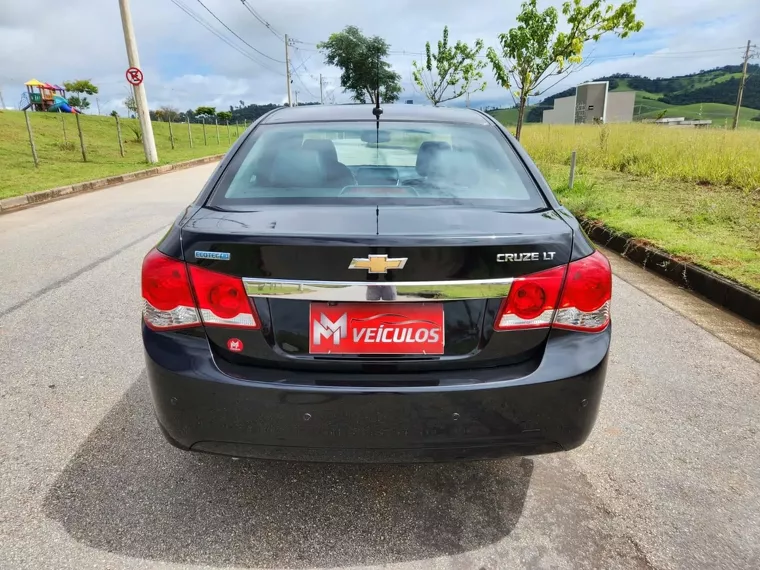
pixel 134 76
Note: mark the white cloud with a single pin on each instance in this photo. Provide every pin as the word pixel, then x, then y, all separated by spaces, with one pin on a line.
pixel 186 66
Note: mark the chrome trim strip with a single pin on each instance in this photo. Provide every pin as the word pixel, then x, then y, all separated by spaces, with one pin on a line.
pixel 348 291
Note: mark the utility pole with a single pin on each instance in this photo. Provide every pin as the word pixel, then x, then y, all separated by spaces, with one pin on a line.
pixel 741 86
pixel 287 69
pixel 2 101
pixel 141 99
pixel 321 91
pixel 295 103
pixel 97 102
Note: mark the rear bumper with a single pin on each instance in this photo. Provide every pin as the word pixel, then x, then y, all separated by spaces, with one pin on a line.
pixel 476 414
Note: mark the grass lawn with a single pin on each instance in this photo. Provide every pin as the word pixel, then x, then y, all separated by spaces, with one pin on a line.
pixel 716 227
pixel 706 156
pixel 61 163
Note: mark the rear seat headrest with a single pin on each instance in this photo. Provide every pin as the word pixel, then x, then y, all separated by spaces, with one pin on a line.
pixel 425 155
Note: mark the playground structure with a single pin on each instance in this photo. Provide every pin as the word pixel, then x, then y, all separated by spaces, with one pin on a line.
pixel 47 97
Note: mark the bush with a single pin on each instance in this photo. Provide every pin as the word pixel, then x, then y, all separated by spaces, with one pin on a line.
pixel 136 132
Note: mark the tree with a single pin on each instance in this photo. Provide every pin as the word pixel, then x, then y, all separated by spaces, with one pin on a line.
pixel 534 50
pixel 131 104
pixel 205 112
pixel 79 102
pixel 114 113
pixel 167 113
pixel 363 69
pixel 224 116
pixel 80 87
pixel 455 66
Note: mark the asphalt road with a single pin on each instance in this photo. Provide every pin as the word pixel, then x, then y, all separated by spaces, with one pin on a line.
pixel 670 478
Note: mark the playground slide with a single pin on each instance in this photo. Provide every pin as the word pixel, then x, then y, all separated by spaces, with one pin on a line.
pixel 60 104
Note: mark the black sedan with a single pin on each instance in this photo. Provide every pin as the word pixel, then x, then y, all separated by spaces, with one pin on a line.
pixel 361 286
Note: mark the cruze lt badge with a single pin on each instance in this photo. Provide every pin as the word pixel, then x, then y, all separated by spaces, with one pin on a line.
pixel 216 255
pixel 524 256
pixel 377 263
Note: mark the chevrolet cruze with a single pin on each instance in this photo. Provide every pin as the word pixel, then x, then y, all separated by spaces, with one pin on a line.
pixel 366 285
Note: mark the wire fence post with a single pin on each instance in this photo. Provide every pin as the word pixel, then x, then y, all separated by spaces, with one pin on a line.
pixel 81 139
pixel 63 124
pixel 229 137
pixel 205 140
pixel 190 132
pixel 245 124
pixel 572 169
pixel 171 133
pixel 31 139
pixel 237 129
pixel 216 122
pixel 118 135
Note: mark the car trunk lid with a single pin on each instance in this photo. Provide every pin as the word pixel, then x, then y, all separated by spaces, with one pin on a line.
pixel 303 265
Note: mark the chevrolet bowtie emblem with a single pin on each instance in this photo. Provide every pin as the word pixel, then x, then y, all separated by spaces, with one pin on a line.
pixel 377 263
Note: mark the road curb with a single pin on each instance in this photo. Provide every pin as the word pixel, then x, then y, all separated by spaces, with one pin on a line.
pixel 731 296
pixel 17 203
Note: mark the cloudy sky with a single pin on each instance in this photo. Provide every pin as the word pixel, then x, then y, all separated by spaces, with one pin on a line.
pixel 186 65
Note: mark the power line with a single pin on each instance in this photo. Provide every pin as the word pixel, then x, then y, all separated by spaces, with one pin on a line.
pixel 221 36
pixel 237 36
pixel 261 19
pixel 294 71
pixel 306 88
pixel 211 29
pixel 303 61
pixel 611 56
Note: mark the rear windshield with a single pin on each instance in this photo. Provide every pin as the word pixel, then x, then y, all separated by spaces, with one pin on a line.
pixel 357 162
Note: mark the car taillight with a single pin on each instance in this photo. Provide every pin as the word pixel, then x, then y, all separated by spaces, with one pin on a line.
pixel 534 300
pixel 169 303
pixel 222 299
pixel 586 296
pixel 167 300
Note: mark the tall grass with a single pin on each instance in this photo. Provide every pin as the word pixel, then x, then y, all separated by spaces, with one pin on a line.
pixel 705 156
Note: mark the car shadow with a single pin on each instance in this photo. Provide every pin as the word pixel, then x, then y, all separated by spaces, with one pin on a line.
pixel 127 491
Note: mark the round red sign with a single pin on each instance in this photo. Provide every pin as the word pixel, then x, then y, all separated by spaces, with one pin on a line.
pixel 134 76
pixel 235 345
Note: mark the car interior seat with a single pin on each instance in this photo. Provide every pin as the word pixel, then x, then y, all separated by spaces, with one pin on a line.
pixel 337 173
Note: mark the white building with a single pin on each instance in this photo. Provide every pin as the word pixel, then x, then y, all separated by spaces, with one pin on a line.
pixel 593 102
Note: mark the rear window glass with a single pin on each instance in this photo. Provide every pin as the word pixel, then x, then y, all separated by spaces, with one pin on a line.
pixel 357 162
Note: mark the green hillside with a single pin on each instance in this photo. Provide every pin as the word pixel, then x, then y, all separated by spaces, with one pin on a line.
pixel 719 113
pixel 719 85
pixel 708 95
pixel 60 159
pixel 507 116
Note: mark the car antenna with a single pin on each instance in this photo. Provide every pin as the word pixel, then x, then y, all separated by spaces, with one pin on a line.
pixel 377 111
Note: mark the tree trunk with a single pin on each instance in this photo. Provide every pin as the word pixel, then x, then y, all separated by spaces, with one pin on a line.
pixel 521 114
